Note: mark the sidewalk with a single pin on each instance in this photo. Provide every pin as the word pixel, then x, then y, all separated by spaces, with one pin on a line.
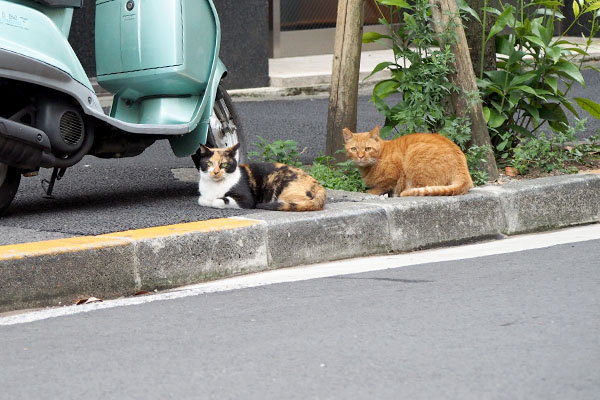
pixel 59 272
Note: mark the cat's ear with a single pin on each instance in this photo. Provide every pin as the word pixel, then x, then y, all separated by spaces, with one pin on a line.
pixel 347 134
pixel 375 132
pixel 204 151
pixel 232 150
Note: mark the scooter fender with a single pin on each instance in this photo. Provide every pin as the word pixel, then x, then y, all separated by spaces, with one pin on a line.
pixel 188 144
pixel 40 34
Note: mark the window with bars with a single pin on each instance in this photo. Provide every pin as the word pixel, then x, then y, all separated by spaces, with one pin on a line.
pixel 316 14
pixel 307 27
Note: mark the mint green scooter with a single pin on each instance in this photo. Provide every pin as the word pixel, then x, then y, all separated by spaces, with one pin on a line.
pixel 160 59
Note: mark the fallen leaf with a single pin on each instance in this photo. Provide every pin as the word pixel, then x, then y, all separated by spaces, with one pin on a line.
pixel 510 171
pixel 89 300
pixel 141 293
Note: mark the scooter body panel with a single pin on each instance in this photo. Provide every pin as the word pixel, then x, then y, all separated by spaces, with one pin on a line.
pixel 187 145
pixel 61 16
pixel 163 49
pixel 155 47
pixel 40 33
pixel 161 62
pixel 18 67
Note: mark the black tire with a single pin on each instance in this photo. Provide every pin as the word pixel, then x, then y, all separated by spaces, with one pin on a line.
pixel 229 129
pixel 9 184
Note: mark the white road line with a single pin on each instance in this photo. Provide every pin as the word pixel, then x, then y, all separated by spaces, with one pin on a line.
pixel 336 268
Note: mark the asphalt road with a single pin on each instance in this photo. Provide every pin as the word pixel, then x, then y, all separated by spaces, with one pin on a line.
pixel 101 196
pixel 522 325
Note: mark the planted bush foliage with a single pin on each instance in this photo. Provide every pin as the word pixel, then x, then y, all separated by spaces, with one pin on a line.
pixel 527 91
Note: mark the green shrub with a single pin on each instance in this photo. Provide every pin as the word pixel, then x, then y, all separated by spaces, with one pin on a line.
pixel 535 72
pixel 332 175
pixel 475 156
pixel 557 153
pixel 419 70
pixel 282 151
pixel 337 176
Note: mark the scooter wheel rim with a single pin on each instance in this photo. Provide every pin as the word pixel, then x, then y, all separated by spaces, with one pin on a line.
pixel 224 128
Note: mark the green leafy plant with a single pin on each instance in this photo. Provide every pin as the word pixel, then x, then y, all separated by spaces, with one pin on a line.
pixel 337 176
pixel 536 70
pixel 332 175
pixel 475 156
pixel 282 151
pixel 460 133
pixel 556 153
pixel 419 70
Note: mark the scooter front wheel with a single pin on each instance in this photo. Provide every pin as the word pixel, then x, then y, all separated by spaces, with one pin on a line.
pixel 225 128
pixel 9 184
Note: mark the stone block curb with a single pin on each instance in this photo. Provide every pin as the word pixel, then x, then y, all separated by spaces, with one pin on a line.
pixel 61 271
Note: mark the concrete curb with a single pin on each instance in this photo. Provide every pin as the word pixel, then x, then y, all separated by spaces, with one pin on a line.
pixel 61 271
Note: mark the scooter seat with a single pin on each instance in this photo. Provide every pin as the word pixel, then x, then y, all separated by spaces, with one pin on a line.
pixel 61 3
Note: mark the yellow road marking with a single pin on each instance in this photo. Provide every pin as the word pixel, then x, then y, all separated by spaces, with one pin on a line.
pixel 182 229
pixel 58 246
pixel 75 244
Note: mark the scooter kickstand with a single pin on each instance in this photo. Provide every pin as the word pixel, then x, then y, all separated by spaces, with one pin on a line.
pixel 57 175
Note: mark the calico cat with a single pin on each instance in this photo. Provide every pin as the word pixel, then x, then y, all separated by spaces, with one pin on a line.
pixel 419 164
pixel 269 186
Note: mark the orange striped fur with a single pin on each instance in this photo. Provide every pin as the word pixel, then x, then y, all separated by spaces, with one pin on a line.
pixel 419 164
pixel 298 191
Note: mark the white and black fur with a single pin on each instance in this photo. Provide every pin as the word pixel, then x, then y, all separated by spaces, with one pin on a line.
pixel 226 192
pixel 270 186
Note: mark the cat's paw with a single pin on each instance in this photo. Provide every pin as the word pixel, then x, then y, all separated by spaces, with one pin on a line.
pixel 225 202
pixel 203 201
pixel 218 203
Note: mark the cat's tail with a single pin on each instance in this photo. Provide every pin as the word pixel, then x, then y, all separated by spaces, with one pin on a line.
pixel 312 200
pixel 450 190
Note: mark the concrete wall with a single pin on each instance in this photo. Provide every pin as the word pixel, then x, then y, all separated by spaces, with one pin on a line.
pixel 244 44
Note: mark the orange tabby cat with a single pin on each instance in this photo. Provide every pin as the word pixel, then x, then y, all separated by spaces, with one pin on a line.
pixel 419 164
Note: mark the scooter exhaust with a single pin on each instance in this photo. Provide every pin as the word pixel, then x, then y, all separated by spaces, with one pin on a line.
pixel 28 148
pixel 22 146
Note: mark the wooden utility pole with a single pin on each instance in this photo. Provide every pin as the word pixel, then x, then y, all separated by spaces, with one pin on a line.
pixel 445 16
pixel 344 77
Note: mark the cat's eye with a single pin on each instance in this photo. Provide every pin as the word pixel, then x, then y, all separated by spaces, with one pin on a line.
pixel 225 165
pixel 368 148
pixel 209 163
pixel 353 149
